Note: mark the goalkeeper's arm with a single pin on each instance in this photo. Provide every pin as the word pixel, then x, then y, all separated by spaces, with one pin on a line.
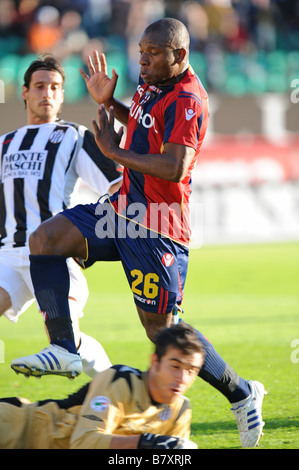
pixel 151 441
pixel 158 441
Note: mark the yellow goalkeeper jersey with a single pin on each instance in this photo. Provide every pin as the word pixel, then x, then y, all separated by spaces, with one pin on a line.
pixel 116 401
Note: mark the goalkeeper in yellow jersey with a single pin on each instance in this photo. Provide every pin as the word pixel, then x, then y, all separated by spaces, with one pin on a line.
pixel 121 408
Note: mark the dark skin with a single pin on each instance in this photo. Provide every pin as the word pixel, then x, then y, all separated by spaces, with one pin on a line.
pixel 161 62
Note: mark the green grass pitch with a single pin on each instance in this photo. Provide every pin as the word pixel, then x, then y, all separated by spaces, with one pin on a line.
pixel 245 299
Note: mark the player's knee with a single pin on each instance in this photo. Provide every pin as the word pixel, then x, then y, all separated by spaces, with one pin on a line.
pixel 39 242
pixel 153 322
pixel 151 333
pixel 34 242
pixel 152 330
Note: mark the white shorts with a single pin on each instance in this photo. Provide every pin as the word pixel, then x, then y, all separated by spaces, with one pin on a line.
pixel 16 280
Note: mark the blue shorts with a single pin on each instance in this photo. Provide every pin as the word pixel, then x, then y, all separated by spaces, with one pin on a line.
pixel 155 266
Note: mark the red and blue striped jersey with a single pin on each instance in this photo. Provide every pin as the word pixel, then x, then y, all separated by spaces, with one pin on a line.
pixel 177 114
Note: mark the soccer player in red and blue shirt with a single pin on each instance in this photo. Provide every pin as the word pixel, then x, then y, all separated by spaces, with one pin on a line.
pixel 146 224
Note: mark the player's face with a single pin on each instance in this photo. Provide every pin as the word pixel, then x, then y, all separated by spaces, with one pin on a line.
pixel 173 374
pixel 159 62
pixel 44 97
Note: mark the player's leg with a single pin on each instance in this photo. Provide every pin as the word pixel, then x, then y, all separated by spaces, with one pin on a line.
pixel 70 234
pixel 50 245
pixel 78 293
pixel 157 269
pixel 152 322
pixel 5 302
pixel 54 241
pixel 15 275
pixel 215 370
pixel 93 356
pixel 245 397
pixel 15 296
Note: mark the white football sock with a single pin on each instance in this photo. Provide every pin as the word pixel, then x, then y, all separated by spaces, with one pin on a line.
pixel 93 356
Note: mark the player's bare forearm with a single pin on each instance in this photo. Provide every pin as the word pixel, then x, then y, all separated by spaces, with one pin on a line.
pixel 171 165
pixel 159 165
pixel 124 442
pixel 121 111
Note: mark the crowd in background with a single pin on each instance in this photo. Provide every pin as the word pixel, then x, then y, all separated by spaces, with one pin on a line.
pixel 245 45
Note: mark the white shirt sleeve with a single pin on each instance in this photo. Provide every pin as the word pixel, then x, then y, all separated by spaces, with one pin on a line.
pixel 93 167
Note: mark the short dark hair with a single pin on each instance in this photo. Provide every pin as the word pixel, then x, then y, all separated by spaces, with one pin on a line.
pixel 43 62
pixel 180 336
pixel 172 31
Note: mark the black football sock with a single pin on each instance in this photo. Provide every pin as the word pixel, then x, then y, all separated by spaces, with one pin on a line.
pixel 51 282
pixel 220 375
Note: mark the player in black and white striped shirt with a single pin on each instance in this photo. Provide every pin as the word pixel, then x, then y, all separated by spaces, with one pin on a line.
pixel 40 165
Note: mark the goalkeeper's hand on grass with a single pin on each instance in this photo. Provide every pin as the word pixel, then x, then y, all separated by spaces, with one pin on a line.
pixel 157 441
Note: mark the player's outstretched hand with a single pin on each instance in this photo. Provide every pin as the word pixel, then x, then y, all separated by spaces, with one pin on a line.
pixel 99 85
pixel 157 441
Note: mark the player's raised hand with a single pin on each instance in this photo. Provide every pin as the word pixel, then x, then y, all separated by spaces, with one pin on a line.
pixel 99 85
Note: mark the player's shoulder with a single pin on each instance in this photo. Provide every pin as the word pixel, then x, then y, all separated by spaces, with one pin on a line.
pixel 80 128
pixel 184 406
pixel 127 373
pixel 186 403
pixel 8 136
pixel 191 86
pixel 122 369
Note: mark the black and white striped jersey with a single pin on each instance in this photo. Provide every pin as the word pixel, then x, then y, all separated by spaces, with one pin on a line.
pixel 39 168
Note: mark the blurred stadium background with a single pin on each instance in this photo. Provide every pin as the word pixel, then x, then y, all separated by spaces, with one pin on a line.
pixel 246 53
